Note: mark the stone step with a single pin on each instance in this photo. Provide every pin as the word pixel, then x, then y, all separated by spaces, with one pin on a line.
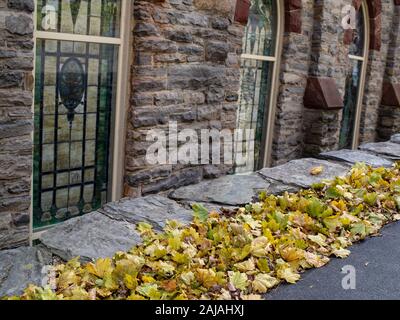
pixel 354 156
pixel 298 172
pixel 153 209
pixel 387 150
pixel 21 267
pixel 232 190
pixel 91 236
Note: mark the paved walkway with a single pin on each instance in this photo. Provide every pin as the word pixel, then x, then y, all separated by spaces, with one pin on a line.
pixel 111 229
pixel 377 265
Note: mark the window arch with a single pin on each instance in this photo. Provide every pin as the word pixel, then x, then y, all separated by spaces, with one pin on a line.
pixel 355 80
pixel 259 71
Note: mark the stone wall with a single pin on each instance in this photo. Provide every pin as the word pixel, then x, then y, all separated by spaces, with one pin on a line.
pixel 314 57
pixel 389 112
pixel 379 46
pixel 288 135
pixel 16 64
pixel 185 69
pixel 330 62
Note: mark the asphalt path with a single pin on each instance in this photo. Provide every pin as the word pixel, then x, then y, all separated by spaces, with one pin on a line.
pixel 372 271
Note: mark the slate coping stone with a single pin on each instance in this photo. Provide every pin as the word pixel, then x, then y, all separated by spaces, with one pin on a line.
pixel 21 267
pixel 356 156
pixel 395 138
pixel 298 172
pixel 386 149
pixel 231 190
pixel 153 209
pixel 91 236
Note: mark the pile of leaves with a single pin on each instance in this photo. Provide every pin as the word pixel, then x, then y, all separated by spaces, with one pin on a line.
pixel 241 254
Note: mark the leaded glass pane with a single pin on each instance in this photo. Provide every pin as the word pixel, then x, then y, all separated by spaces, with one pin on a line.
pixel 74 100
pixel 350 105
pixel 260 32
pixel 83 17
pixel 259 40
pixel 353 82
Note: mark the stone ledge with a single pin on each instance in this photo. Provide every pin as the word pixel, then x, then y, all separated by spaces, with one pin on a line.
pixel 322 93
pixel 354 156
pixel 391 94
pixel 387 150
pixel 297 172
pixel 395 138
pixel 91 236
pixel 232 190
pixel 153 209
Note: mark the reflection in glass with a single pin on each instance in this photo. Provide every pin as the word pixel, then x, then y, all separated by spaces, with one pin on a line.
pixel 83 17
pixel 353 82
pixel 357 46
pixel 74 100
pixel 350 105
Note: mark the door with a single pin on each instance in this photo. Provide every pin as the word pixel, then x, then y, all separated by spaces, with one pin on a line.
pixel 77 97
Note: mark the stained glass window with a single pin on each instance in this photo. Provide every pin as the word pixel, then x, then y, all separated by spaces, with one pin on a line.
pixel 257 64
pixel 75 96
pixel 256 72
pixel 353 84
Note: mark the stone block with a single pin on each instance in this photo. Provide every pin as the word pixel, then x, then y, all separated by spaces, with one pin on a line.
pixel 91 236
pixel 232 190
pixel 21 267
pixel 354 156
pixel 298 172
pixel 386 149
pixel 155 210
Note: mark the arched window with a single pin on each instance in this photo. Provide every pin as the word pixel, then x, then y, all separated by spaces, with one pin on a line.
pixel 80 58
pixel 355 81
pixel 259 61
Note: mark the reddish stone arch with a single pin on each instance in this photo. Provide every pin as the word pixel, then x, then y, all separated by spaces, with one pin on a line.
pixel 375 23
pixel 293 9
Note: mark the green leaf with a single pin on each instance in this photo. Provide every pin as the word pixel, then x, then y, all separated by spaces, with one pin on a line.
pixel 371 198
pixel 200 212
pixel 238 280
pixel 149 290
pixel 333 193
pixel 359 229
pixel 317 209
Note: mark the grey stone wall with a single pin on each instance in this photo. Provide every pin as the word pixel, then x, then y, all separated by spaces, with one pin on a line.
pixel 377 66
pixel 185 69
pixel 329 59
pixel 16 81
pixel 295 63
pixel 389 112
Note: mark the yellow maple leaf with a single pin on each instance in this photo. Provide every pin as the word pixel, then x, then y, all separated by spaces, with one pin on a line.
pixel 263 282
pixel 317 170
